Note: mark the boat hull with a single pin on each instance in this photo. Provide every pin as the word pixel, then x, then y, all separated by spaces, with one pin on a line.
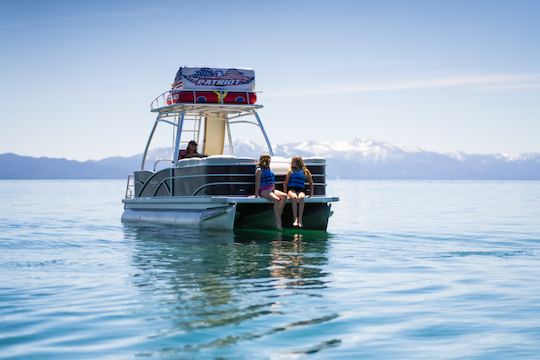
pixel 224 213
pixel 216 218
pixel 261 216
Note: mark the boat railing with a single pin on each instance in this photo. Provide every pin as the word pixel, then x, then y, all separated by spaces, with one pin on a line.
pixel 166 98
pixel 196 192
pixel 130 187
pixel 160 101
pixel 171 178
pixel 161 160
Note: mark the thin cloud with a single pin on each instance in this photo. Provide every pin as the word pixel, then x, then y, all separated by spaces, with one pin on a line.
pixel 534 86
pixel 116 15
pixel 496 81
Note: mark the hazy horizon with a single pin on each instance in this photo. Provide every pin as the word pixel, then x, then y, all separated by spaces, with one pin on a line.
pixel 77 78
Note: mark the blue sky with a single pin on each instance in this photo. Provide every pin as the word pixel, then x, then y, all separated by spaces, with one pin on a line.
pixel 77 77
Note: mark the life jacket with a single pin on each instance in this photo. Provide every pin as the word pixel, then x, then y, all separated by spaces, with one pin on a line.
pixel 267 177
pixel 297 179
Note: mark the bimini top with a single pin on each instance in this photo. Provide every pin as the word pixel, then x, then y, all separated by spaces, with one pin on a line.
pixel 209 86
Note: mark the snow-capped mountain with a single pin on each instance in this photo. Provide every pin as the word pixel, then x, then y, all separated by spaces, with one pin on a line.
pixel 371 159
pixel 350 150
pixel 354 159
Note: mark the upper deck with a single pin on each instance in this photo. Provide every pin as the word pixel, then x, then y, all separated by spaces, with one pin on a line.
pixel 203 90
pixel 201 106
pixel 163 104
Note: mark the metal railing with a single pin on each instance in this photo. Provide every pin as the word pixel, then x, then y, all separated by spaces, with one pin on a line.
pixel 161 160
pixel 167 97
pixel 180 177
pixel 130 187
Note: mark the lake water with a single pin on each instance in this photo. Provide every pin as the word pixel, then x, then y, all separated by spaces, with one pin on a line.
pixel 408 269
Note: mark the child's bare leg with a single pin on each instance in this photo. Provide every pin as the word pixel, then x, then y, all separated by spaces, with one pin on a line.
pixel 282 198
pixel 301 197
pixel 277 210
pixel 294 205
pixel 277 215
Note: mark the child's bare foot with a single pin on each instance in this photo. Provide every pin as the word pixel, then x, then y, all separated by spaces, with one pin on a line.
pixel 295 223
pixel 300 224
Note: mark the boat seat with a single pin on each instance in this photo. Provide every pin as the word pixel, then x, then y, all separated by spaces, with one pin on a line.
pixel 217 160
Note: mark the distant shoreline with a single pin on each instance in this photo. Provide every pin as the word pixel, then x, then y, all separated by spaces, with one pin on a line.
pixel 358 159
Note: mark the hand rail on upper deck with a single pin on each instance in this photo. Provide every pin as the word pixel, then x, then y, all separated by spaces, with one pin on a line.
pixel 161 100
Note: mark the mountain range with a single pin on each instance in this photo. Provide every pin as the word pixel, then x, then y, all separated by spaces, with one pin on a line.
pixel 354 159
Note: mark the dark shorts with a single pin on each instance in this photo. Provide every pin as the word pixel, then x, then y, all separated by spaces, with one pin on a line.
pixel 297 189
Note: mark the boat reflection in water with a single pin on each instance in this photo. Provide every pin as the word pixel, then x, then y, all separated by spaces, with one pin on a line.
pixel 204 291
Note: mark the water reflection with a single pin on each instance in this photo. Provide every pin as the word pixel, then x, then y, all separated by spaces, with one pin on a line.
pixel 208 289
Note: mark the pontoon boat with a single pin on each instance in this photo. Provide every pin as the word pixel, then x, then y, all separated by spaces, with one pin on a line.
pixel 216 191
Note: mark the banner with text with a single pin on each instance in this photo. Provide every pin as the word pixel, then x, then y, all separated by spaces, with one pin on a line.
pixel 205 78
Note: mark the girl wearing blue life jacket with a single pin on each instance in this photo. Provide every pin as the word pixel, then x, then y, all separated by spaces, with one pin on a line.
pixel 295 187
pixel 265 187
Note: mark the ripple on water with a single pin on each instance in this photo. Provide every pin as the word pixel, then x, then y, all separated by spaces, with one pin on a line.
pixel 407 270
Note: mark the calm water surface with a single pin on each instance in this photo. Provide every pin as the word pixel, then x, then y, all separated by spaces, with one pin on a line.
pixel 408 269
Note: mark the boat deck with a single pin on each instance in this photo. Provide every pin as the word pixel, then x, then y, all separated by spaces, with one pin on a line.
pixel 254 200
pixel 219 200
pixel 160 106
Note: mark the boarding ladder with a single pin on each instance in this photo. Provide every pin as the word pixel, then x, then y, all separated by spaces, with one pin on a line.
pixel 130 187
pixel 191 127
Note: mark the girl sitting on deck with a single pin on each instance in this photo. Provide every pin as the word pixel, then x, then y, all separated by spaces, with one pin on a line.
pixel 265 187
pixel 295 183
